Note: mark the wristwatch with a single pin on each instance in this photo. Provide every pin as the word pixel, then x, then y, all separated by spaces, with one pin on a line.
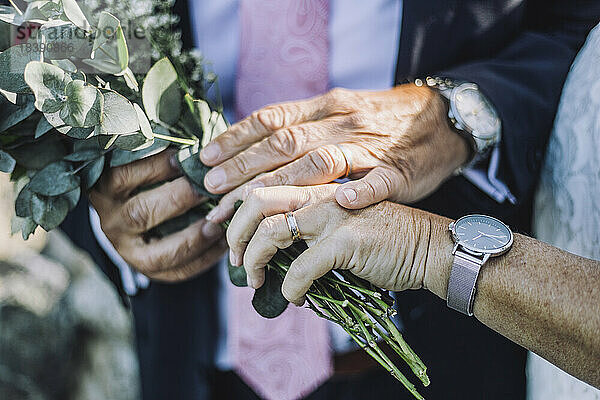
pixel 471 114
pixel 476 238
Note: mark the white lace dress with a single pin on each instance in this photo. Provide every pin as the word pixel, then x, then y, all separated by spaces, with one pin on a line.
pixel 567 204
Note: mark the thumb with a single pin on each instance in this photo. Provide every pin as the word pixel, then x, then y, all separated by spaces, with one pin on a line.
pixel 379 184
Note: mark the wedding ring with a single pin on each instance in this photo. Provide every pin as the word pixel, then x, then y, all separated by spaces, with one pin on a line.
pixel 293 226
pixel 348 157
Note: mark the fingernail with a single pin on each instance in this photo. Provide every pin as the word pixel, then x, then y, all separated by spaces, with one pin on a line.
pixel 211 230
pixel 212 214
pixel 350 195
pixel 211 152
pixel 215 177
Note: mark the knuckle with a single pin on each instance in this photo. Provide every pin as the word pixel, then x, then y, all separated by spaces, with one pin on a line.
pixel 255 197
pixel 137 213
pixel 356 120
pixel 337 93
pixel 280 178
pixel 370 189
pixel 286 142
pixel 271 117
pixel 118 178
pixel 181 199
pixel 323 161
pixel 379 184
pixel 235 240
pixel 241 164
pixel 267 227
pixel 299 271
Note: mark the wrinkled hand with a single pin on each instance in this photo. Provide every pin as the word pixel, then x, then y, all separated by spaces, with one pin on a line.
pixel 126 216
pixel 399 138
pixel 386 244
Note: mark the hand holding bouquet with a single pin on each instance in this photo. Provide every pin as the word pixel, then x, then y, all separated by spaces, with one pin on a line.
pixel 71 107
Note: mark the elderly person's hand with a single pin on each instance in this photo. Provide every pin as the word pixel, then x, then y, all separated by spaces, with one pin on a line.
pixel 126 215
pixel 386 244
pixel 399 138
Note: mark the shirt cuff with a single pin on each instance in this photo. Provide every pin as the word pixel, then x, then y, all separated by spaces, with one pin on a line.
pixel 487 180
pixel 132 280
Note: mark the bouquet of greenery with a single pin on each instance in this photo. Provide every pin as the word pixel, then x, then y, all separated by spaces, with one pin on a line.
pixel 71 107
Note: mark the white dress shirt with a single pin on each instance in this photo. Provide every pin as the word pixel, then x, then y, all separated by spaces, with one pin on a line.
pixel 363 39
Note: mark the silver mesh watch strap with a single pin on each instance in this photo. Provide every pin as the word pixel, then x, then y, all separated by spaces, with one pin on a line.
pixel 463 277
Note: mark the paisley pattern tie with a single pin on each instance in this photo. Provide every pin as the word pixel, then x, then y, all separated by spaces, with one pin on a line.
pixel 283 56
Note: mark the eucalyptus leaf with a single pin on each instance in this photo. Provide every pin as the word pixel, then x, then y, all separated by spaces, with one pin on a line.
pixel 212 123
pixel 65 65
pixel 72 198
pixel 145 127
pixel 161 94
pixel 106 30
pixel 33 13
pixel 61 39
pixel 18 173
pixel 122 157
pixel 23 202
pixel 84 155
pixel 268 300
pixel 49 212
pixel 12 66
pixel 50 10
pixel 24 225
pixel 216 126
pixel 7 162
pixel 40 153
pixel 190 123
pixel 96 143
pixel 237 275
pixel 42 127
pixel 75 15
pixel 9 15
pixel 130 80
pixel 56 121
pixel 194 169
pixel 119 115
pixel 178 223
pixel 79 133
pixel 79 75
pixel 104 62
pixel 91 173
pixel 48 83
pixel 109 52
pixel 12 114
pixel 132 142
pixel 84 105
pixel 11 97
pixel 54 179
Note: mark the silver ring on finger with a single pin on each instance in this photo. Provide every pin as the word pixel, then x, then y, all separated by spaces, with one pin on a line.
pixel 348 157
pixel 293 226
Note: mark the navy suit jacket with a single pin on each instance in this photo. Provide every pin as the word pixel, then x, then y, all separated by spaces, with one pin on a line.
pixel 518 52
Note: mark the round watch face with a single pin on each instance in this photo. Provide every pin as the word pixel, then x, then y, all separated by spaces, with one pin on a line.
pixel 474 111
pixel 482 234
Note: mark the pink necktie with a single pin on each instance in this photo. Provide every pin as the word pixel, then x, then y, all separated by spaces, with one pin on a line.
pixel 283 56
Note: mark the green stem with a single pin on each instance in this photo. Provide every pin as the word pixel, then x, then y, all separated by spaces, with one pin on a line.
pixel 15 7
pixel 174 139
